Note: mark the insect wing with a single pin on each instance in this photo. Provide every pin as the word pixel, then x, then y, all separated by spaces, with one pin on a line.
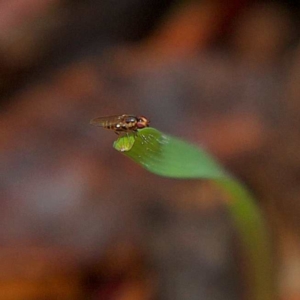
pixel 106 121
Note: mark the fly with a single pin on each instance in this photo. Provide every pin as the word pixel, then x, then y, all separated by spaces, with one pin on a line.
pixel 123 123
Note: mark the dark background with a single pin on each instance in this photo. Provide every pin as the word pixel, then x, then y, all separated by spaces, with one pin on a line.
pixel 80 221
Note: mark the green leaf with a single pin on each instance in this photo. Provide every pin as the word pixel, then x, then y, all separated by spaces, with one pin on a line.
pixel 171 157
pixel 125 143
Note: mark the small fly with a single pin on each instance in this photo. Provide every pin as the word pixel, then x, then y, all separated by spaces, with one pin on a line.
pixel 123 123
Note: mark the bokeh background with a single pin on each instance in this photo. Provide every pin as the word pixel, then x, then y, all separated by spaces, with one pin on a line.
pixel 80 221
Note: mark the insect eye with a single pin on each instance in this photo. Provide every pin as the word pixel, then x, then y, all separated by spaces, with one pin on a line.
pixel 142 122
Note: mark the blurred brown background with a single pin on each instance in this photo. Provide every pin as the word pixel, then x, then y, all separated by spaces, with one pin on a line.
pixel 80 221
